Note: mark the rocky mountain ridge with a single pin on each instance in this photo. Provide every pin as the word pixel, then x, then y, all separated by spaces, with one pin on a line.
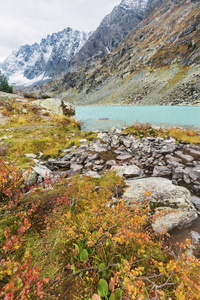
pixel 32 63
pixel 111 32
pixel 158 63
pixel 55 54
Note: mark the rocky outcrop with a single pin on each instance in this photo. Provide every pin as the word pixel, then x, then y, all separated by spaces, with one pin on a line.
pixel 173 201
pixel 111 32
pixel 6 98
pixel 56 106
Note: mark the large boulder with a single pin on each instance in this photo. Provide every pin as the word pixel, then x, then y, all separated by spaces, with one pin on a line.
pixel 6 98
pixel 68 109
pixel 30 178
pixel 174 201
pixel 53 105
pixel 56 106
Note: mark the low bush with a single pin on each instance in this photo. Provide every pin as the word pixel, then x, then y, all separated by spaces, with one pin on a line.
pixel 140 130
pixel 79 240
pixel 30 96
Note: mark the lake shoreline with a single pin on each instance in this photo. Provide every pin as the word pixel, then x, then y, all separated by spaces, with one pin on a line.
pixel 106 117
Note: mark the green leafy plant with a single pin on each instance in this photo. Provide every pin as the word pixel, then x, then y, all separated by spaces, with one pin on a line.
pixel 84 255
pixel 102 288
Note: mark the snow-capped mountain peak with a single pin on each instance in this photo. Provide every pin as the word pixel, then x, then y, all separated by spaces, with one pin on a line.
pixel 32 63
pixel 134 4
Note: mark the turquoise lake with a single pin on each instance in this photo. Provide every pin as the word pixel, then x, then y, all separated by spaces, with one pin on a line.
pixel 106 117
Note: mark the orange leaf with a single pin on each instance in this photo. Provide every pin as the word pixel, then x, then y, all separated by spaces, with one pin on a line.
pixel 68 266
pixel 96 297
pixel 112 285
pixel 76 252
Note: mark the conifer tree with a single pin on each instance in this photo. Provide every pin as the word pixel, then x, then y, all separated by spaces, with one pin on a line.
pixel 4 86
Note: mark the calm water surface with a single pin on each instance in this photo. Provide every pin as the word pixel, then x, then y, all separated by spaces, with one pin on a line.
pixel 106 117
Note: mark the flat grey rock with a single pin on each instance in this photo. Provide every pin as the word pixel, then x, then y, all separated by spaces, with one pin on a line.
pixel 76 167
pixel 124 156
pixel 30 155
pixel 193 152
pixel 161 171
pixel 196 202
pixel 185 157
pixel 195 237
pixel 99 147
pixel 110 163
pixel 43 171
pixel 93 174
pixel 127 171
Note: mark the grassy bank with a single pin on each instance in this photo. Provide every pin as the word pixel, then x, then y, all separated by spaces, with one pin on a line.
pixel 186 136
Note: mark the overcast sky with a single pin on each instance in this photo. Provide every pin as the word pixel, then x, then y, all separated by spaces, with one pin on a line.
pixel 27 21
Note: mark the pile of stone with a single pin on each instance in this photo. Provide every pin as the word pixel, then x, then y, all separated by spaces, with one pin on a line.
pixel 159 165
pixel 133 157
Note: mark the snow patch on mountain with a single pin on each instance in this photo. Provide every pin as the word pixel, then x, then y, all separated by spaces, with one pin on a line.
pixel 134 4
pixel 32 63
pixel 18 79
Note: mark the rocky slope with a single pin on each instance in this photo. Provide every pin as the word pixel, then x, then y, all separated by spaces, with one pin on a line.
pixel 111 32
pixel 158 63
pixel 39 62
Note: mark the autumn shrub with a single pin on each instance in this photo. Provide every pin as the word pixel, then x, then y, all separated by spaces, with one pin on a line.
pixel 19 277
pixel 141 130
pixel 10 181
pixel 188 136
pixel 79 240
pixel 110 246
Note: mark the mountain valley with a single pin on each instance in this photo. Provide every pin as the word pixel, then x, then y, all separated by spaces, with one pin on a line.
pixel 142 53
pixel 158 63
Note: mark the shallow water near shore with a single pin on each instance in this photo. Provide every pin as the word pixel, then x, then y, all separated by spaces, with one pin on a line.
pixel 106 117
